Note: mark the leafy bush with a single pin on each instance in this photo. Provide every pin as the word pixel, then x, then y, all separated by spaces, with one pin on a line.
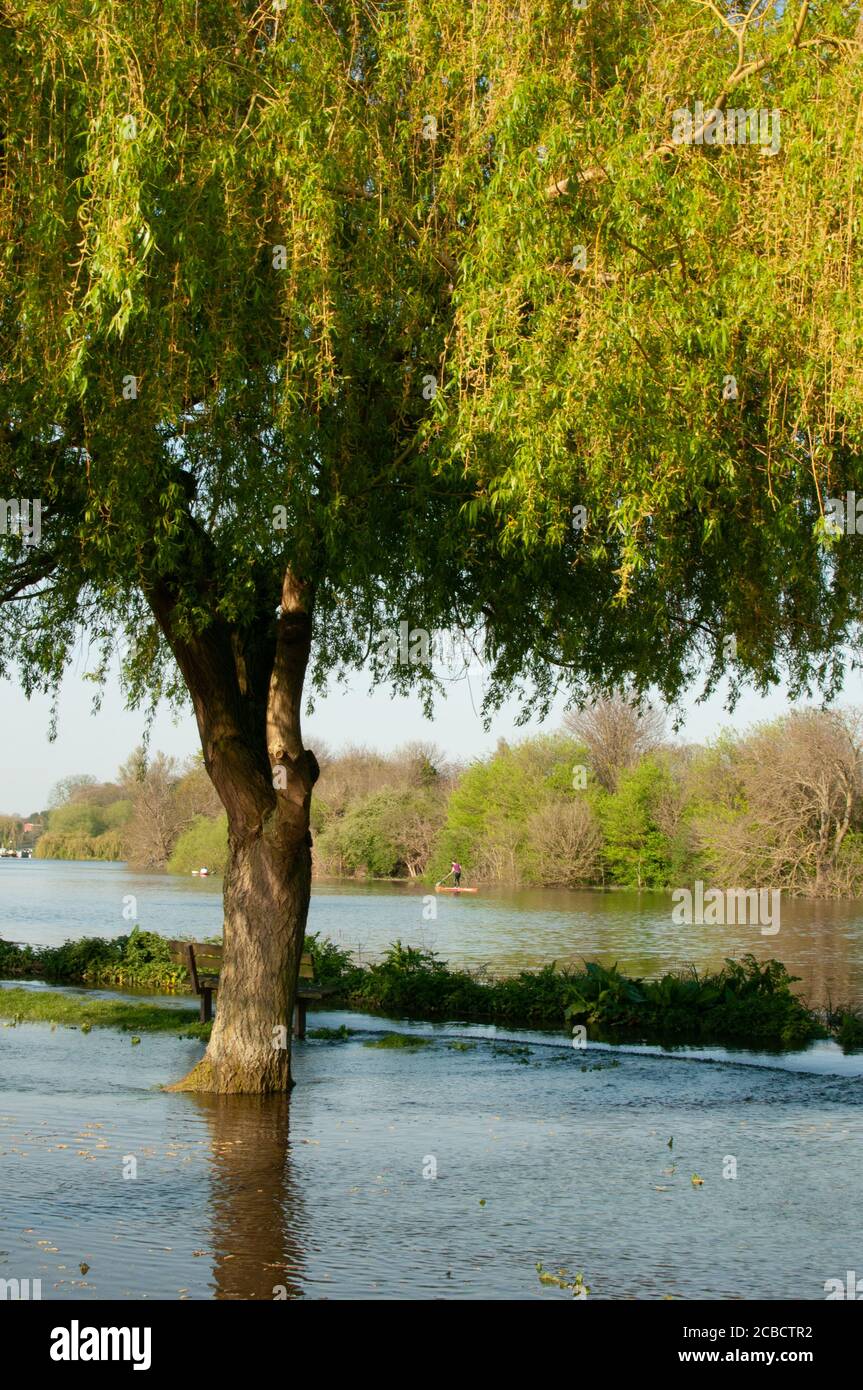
pixel 203 845
pixel 387 834
pixel 77 818
pixel 637 850
pixel 488 815
pixel 141 959
pixel 330 962
pixel 746 1001
pixel 107 846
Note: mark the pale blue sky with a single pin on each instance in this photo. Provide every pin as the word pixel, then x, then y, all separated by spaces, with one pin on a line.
pixel 30 765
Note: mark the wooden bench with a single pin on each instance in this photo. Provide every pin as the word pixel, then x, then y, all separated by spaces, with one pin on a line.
pixel 204 963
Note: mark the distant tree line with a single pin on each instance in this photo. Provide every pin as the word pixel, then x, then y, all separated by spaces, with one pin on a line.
pixel 144 816
pixel 609 800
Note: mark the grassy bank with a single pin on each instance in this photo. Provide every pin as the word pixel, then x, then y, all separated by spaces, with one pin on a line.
pixel 76 1011
pixel 746 1003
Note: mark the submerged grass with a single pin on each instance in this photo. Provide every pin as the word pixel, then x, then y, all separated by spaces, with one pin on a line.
pixel 341 1034
pixel 77 1011
pixel 407 1041
pixel 747 1002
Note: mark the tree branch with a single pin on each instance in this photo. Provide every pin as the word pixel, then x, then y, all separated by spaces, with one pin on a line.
pixel 741 72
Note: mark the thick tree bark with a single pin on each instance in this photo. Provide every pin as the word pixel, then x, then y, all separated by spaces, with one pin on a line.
pixel 247 693
pixel 266 899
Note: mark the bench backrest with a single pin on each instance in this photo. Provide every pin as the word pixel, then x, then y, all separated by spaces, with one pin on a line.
pixel 203 958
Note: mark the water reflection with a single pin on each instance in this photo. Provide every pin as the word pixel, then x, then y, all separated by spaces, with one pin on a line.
pixel 256 1209
pixel 540 1154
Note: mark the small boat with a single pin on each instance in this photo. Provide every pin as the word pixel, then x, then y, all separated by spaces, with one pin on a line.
pixel 440 889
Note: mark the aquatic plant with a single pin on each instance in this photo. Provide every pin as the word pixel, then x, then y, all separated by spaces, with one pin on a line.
pixel 747 1000
pixel 141 958
pixel 399 1040
pixel 849 1028
pixel 562 1280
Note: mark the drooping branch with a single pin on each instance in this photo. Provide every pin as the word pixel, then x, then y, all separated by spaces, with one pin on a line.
pixel 742 71
pixel 24 576
pixel 417 235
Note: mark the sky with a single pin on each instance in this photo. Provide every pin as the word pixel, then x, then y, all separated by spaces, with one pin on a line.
pixel 98 744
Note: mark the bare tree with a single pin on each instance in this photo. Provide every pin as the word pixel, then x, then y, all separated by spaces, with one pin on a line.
pixel 616 733
pixel 351 775
pixel 194 794
pixel 567 843
pixel 799 792
pixel 70 789
pixel 156 818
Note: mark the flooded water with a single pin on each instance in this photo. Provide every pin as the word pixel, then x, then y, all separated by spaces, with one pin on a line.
pixel 48 902
pixel 447 1171
pixel 545 1154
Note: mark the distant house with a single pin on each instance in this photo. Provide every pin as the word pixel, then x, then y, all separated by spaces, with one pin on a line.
pixel 31 830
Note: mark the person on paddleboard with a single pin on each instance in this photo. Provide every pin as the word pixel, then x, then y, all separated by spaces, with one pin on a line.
pixel 456 872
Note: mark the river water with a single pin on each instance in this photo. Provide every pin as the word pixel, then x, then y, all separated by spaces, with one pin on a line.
pixel 445 1172
pixel 48 902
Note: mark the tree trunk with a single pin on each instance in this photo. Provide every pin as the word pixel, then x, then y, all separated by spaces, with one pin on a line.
pixel 266 896
pixel 246 688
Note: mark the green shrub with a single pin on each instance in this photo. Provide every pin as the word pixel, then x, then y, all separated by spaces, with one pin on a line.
pixel 488 815
pixel 637 850
pixel 77 818
pixel 203 845
pixel 747 1001
pixel 107 846
pixel 140 959
pixel 117 814
pixel 385 835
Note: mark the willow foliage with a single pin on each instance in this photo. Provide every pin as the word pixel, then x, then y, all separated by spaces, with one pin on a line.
pixel 298 285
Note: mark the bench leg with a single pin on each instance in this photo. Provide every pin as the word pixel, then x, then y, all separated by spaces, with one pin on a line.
pixel 206 1005
pixel 300 1019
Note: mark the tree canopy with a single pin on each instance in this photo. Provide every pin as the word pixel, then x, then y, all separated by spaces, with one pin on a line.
pixel 377 294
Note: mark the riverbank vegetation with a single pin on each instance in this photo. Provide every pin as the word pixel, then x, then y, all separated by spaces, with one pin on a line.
pixel 141 960
pixel 77 1011
pixel 609 800
pixel 747 1002
pixel 141 817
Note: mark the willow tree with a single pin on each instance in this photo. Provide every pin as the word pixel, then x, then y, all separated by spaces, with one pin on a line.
pixel 328 326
